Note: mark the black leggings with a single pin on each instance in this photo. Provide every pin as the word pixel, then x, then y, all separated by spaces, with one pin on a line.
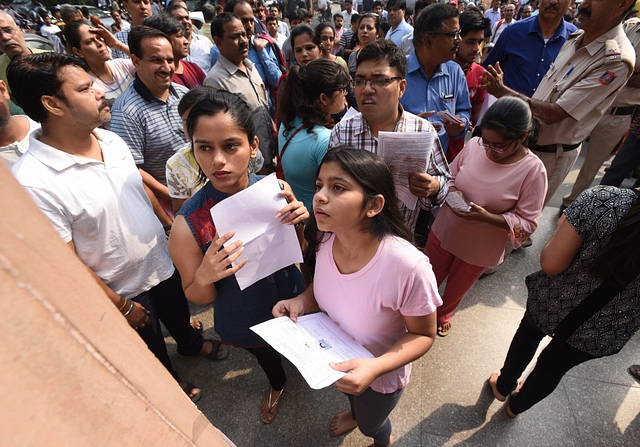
pixel 552 364
pixel 271 364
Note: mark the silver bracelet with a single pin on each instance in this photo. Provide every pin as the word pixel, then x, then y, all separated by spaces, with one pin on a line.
pixel 130 308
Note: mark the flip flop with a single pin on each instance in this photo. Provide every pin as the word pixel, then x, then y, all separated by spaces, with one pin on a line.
pixel 188 388
pixel 634 370
pixel 217 354
pixel 444 332
pixel 272 405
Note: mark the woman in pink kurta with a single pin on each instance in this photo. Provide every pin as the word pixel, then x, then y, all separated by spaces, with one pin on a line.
pixel 505 185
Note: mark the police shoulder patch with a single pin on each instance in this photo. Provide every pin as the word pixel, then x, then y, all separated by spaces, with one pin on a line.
pixel 607 77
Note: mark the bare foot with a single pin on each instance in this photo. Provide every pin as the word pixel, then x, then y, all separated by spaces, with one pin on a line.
pixel 269 405
pixel 342 423
pixel 193 321
pixel 493 381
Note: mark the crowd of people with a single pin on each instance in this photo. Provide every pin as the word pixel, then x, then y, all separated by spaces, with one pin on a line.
pixel 126 137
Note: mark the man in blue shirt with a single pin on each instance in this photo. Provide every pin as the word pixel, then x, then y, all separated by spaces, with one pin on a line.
pixel 527 48
pixel 434 82
pixel 399 27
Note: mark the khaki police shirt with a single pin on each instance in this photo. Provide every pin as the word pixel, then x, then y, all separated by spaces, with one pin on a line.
pixel 583 92
pixel 630 96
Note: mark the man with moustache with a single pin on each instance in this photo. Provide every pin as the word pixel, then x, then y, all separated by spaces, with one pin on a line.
pixel 13 44
pixel 199 45
pixel 526 11
pixel 396 10
pixel 530 46
pixel 591 68
pixel 260 52
pixel 507 20
pixel 434 82
pixel 146 115
pixel 85 182
pixel 186 73
pixel 235 73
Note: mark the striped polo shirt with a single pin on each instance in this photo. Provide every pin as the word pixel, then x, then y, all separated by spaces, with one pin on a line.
pixel 151 127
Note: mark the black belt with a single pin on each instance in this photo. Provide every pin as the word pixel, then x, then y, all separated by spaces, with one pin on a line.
pixel 552 148
pixel 624 110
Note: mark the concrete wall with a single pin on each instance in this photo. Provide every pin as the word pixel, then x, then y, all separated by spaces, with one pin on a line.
pixel 72 371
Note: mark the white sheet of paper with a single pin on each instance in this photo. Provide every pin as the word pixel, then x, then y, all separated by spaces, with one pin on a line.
pixel 406 151
pixel 456 202
pixel 311 344
pixel 268 245
pixel 350 112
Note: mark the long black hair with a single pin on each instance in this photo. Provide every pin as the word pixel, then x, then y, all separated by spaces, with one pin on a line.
pixel 301 92
pixel 372 173
pixel 617 263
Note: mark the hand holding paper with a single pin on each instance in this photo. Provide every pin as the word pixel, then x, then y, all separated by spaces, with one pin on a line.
pixel 268 245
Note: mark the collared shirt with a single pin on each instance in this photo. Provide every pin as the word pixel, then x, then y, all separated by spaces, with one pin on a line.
pixel 264 61
pixel 103 208
pixel 199 49
pixel 355 131
pixel 12 152
pixel 499 27
pixel 446 90
pixel 582 87
pixel 630 96
pixel 151 127
pixel 492 15
pixel 396 35
pixel 346 24
pixel 523 54
pixel 224 75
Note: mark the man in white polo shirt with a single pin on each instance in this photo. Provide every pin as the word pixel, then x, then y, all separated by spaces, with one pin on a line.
pixel 85 182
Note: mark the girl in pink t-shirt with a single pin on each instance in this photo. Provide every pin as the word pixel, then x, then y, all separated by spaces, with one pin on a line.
pixel 505 185
pixel 371 281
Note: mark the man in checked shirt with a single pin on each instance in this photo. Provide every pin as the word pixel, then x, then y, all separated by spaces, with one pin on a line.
pixel 379 85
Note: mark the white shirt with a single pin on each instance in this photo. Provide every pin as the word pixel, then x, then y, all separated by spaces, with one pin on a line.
pixel 12 153
pixel 103 208
pixel 199 49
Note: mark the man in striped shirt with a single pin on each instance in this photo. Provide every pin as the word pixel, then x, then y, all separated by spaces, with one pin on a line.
pixel 146 115
pixel 379 85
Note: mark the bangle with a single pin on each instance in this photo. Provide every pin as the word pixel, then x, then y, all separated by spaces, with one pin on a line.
pixel 129 310
pixel 123 305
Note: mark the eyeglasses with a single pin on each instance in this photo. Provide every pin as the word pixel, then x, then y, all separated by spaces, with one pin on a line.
pixel 9 31
pixel 454 36
pixel 376 82
pixel 504 147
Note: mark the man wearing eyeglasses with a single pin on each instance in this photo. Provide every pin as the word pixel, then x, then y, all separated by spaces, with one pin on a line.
pixel 13 44
pixel 379 84
pixel 434 81
pixel 399 27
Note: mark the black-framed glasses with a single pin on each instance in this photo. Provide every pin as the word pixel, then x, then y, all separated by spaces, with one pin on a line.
pixel 376 82
pixel 453 36
pixel 498 148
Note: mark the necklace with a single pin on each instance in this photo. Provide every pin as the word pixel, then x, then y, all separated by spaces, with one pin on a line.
pixel 111 84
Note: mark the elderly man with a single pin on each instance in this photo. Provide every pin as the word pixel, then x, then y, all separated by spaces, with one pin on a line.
pixel 14 130
pixel 507 20
pixel 591 68
pixel 434 82
pixel 12 44
pixel 146 115
pixel 399 26
pixel 260 52
pixel 379 85
pixel 530 46
pixel 235 73
pixel 84 181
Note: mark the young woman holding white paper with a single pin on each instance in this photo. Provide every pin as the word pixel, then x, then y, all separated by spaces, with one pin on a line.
pixel 371 281
pixel 223 139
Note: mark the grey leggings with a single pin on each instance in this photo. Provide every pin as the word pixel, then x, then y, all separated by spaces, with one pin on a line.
pixel 371 411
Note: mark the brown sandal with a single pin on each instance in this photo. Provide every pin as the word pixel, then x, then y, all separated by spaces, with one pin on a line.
pixel 272 405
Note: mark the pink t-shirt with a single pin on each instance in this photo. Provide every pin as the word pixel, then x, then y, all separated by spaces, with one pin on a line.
pixel 369 304
pixel 514 190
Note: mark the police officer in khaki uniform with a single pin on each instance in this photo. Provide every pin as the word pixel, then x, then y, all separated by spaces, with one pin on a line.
pixel 614 124
pixel 593 65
